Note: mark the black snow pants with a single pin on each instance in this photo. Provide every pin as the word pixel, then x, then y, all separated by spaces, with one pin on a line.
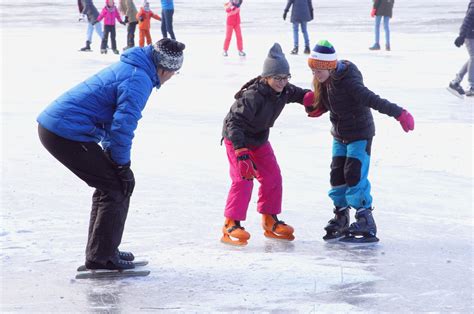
pixel 109 205
pixel 109 29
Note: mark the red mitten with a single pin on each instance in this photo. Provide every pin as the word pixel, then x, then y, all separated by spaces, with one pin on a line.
pixel 317 113
pixel 308 99
pixel 407 121
pixel 246 166
pixel 373 12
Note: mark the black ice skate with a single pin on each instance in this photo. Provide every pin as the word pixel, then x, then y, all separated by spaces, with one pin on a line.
pixel 363 230
pixel 115 263
pixel 294 51
pixel 103 51
pixel 337 225
pixel 126 256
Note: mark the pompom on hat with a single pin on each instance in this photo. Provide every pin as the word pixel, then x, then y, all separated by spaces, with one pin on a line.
pixel 323 56
pixel 168 54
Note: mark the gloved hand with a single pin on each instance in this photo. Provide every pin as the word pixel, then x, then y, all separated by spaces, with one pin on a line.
pixel 246 166
pixel 284 14
pixel 140 18
pixel 127 178
pixel 373 12
pixel 459 41
pixel 308 99
pixel 93 23
pixel 308 102
pixel 407 121
pixel 125 19
pixel 123 23
pixel 82 17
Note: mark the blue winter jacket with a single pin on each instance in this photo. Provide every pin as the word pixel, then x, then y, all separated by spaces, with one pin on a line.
pixel 302 10
pixel 167 5
pixel 107 106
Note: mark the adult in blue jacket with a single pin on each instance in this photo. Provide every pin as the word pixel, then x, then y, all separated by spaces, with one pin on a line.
pixel 105 110
pixel 167 12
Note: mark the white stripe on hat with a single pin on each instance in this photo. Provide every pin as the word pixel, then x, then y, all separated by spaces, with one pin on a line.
pixel 323 56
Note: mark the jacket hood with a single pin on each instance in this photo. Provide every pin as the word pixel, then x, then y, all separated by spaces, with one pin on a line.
pixel 143 59
pixel 344 69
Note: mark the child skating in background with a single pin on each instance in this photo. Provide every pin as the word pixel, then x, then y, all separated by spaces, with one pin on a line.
pixel 339 89
pixel 109 14
pixel 245 133
pixel 233 24
pixel 144 16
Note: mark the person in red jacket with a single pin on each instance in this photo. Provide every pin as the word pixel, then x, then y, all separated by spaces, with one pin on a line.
pixel 144 16
pixel 233 24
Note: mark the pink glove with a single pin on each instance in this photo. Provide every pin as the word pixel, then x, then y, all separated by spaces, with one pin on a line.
pixel 308 99
pixel 373 12
pixel 407 121
pixel 246 166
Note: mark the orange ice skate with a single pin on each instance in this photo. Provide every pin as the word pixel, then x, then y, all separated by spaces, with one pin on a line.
pixel 233 233
pixel 276 229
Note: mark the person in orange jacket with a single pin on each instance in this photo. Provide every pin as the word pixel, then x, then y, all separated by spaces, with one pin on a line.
pixel 144 16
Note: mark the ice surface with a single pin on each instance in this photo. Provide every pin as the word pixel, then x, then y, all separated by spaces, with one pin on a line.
pixel 422 181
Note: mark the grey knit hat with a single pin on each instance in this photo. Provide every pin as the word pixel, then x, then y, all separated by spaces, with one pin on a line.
pixel 275 63
pixel 168 54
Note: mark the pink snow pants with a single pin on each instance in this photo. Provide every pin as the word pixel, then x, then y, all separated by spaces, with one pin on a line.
pixel 269 177
pixel 228 37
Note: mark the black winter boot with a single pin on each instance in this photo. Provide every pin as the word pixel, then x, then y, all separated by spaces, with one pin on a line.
pixel 87 47
pixel 337 225
pixel 307 50
pixel 364 229
pixel 294 51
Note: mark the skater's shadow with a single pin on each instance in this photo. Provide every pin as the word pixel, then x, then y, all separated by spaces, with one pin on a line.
pixel 273 246
pixel 355 253
pixel 105 295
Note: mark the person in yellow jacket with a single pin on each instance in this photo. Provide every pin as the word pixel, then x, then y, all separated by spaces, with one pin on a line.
pixel 144 16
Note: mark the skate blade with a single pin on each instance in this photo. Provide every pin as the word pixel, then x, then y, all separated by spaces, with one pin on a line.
pixel 332 238
pixel 110 274
pixel 137 264
pixel 455 93
pixel 358 240
pixel 226 239
pixel 271 235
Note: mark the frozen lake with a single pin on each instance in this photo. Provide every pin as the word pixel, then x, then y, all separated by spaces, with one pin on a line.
pixel 422 181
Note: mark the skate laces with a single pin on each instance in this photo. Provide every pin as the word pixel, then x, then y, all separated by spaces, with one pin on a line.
pixel 236 226
pixel 277 222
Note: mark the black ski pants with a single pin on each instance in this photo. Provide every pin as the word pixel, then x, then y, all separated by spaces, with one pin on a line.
pixel 109 205
pixel 109 29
